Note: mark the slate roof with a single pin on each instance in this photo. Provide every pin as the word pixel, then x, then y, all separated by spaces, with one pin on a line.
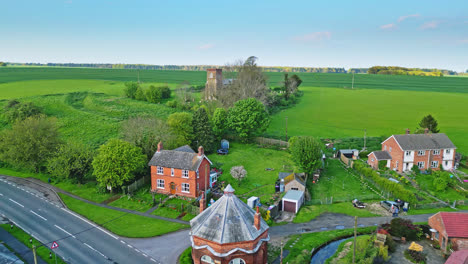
pixel 283 175
pixel 228 220
pixel 293 195
pixel 424 141
pixel 455 224
pixel 180 158
pixel 382 155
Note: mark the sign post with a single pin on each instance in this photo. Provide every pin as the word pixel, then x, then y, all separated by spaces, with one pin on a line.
pixel 54 246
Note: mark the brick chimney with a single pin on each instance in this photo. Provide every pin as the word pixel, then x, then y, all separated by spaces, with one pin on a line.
pixel 257 219
pixel 426 131
pixel 160 146
pixel 200 151
pixel 407 131
pixel 202 203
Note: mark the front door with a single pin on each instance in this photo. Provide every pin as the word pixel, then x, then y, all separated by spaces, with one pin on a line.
pixel 173 187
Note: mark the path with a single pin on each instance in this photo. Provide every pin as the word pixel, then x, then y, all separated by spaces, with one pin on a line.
pixel 433 256
pixel 18 247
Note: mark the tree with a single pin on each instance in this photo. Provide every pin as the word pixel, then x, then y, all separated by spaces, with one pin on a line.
pixel 30 142
pixel 131 89
pixel 2 64
pixel 72 160
pixel 145 133
pixel 297 80
pixel 430 123
pixel 117 162
pixel 153 94
pixel 15 110
pixel 140 94
pixel 306 152
pixel 165 92
pixel 247 118
pixel 238 173
pixel 219 121
pixel 290 85
pixel 181 126
pixel 202 131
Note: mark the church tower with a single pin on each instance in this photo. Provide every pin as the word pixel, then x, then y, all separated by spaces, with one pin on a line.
pixel 214 82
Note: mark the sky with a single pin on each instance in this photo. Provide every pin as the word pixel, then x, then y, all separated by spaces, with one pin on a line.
pixel 425 34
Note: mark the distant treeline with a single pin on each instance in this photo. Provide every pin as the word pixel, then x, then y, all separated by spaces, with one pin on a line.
pixel 396 70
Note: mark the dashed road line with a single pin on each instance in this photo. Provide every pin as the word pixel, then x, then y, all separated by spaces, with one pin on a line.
pixel 38 215
pixel 1 194
pixel 16 202
pixel 137 250
pixel 152 260
pixel 123 242
pixel 75 215
pixel 130 246
pixel 65 231
pixel 144 255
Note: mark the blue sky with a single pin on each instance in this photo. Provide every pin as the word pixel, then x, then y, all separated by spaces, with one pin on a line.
pixel 280 33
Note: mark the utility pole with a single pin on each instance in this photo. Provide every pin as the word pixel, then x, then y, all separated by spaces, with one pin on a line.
pixel 352 82
pixel 281 256
pixel 286 129
pixel 34 254
pixel 138 76
pixel 355 235
pixel 365 134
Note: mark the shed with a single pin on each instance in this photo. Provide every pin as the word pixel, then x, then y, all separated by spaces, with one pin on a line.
pixel 253 201
pixel 292 201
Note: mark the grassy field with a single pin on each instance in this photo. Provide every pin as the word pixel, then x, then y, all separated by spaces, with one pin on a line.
pixel 309 212
pixel 23 237
pixel 335 113
pixel 122 224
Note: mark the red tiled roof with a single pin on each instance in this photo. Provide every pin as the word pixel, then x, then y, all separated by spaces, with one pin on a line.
pixel 456 224
pixel 458 257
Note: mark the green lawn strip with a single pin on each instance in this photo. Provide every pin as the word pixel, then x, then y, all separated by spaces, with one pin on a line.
pixel 302 248
pixel 122 224
pixel 307 213
pixel 426 183
pixel 255 160
pixel 186 256
pixel 23 237
pixel 341 246
pixel 436 210
pixel 132 204
pixel 172 208
pixel 188 217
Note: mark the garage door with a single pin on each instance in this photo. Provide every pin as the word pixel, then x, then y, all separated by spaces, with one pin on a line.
pixel 289 207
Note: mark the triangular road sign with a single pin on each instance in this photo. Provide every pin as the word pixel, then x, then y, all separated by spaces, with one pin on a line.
pixel 54 245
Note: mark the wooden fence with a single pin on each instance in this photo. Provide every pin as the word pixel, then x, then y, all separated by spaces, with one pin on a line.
pixel 272 142
pixel 136 185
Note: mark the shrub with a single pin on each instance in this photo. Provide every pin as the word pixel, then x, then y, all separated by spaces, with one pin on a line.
pixel 391 245
pixel 363 155
pixel 140 94
pixel 415 256
pixel 153 94
pixel 16 111
pixel 383 252
pixel 172 104
pixel 400 227
pixel 131 89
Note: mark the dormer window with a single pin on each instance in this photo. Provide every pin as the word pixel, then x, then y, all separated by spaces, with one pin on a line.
pixel 160 170
pixel 185 173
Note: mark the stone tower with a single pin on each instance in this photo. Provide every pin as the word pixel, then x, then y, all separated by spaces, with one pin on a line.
pixel 229 232
pixel 214 82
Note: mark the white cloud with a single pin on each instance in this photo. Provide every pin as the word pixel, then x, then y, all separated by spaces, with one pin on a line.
pixel 206 46
pixel 403 18
pixel 430 25
pixel 314 37
pixel 388 26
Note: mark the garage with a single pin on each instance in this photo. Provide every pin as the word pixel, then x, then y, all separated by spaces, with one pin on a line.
pixel 292 201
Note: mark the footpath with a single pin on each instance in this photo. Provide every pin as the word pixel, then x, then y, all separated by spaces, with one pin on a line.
pixel 18 247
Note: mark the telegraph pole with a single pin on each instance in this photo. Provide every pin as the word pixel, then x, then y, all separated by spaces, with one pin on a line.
pixel 352 82
pixel 281 256
pixel 355 235
pixel 34 254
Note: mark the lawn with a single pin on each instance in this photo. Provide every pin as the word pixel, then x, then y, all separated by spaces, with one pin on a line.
pixel 310 212
pixel 141 200
pixel 303 244
pixel 338 184
pixel 173 208
pixel 425 182
pixel 122 224
pixel 259 181
pixel 341 246
pixel 23 237
pixel 338 113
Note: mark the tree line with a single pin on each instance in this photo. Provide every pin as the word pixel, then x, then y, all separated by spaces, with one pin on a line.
pixel 397 70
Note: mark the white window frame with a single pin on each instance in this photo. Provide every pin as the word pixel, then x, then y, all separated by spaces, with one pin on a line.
pixel 207 259
pixel 185 186
pixel 385 147
pixel 421 152
pixel 372 159
pixel 160 170
pixel 390 149
pixel 185 173
pixel 172 172
pixel 237 261
pixel 421 164
pixel 198 174
pixel 447 151
pixel 436 152
pixel 408 153
pixel 396 165
pixel 434 164
pixel 160 184
pixel 198 186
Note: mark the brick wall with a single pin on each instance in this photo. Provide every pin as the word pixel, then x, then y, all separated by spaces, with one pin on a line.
pixel 459 243
pixel 395 152
pixel 372 161
pixel 436 223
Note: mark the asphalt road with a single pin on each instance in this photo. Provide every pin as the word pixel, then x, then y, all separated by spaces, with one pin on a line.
pixel 79 240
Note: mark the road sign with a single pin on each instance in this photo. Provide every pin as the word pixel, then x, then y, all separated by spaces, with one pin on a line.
pixel 54 245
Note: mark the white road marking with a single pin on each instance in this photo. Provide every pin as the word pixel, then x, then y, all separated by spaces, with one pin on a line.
pixel 40 216
pixel 123 242
pixel 1 194
pixel 145 255
pixel 137 250
pixel 16 202
pixel 95 250
pixel 75 215
pixel 89 246
pixel 65 231
pixel 153 260
pixel 130 246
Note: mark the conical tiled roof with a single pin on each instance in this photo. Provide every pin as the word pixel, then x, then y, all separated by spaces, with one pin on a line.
pixel 228 220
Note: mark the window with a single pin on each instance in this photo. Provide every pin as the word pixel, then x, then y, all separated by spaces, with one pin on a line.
pixel 408 153
pixel 436 235
pixel 447 151
pixel 160 184
pixel 237 261
pixel 385 148
pixel 372 159
pixel 207 259
pixel 436 152
pixel 396 166
pixel 198 174
pixel 421 164
pixel 421 152
pixel 434 164
pixel 185 187
pixel 390 149
pixel 296 189
pixel 198 186
pixel 184 173
pixel 172 171
pixel 160 170
pixel 446 163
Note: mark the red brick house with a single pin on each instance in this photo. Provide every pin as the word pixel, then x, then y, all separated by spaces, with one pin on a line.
pixel 229 232
pixel 450 227
pixel 181 171
pixel 402 152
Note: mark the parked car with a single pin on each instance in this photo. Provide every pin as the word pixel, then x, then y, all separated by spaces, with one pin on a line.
pixel 223 151
pixel 388 204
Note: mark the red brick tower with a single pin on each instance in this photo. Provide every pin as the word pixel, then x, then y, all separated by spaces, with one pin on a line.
pixel 229 232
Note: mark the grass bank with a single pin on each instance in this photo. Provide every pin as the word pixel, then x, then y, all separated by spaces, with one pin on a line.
pixel 310 212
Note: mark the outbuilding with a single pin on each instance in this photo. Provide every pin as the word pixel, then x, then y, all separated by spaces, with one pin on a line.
pixel 292 201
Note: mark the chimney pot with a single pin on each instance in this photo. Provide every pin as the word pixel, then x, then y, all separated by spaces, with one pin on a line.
pixel 160 146
pixel 257 219
pixel 200 151
pixel 202 203
pixel 426 130
pixel 407 131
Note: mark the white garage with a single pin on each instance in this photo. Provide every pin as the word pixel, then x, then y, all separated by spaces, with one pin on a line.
pixel 292 201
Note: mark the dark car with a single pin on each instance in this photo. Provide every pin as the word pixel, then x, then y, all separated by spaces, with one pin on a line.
pixel 223 151
pixel 388 204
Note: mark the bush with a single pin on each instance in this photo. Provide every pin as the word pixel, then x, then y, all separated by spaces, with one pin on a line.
pixel 390 244
pixel 363 155
pixel 131 89
pixel 400 227
pixel 172 104
pixel 16 111
pixel 186 256
pixel 153 94
pixel 140 94
pixel 415 256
